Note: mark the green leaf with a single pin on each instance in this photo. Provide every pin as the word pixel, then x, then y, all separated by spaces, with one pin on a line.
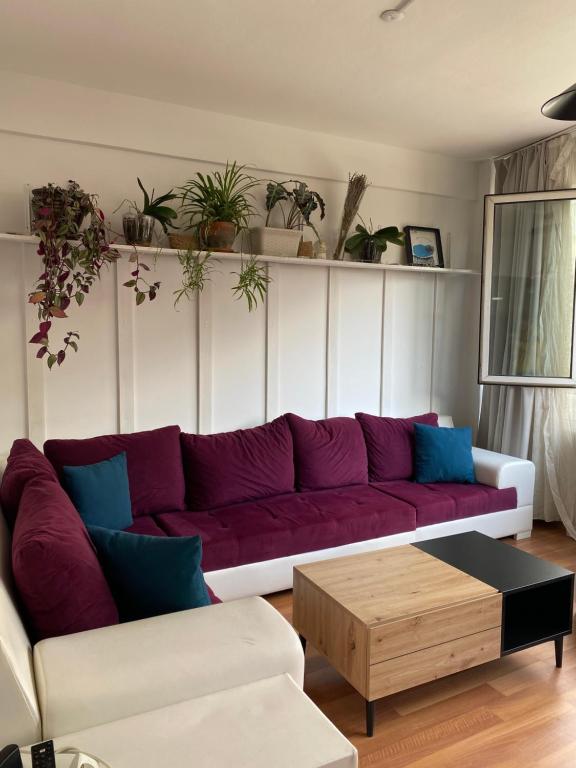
pixel 74 345
pixel 355 242
pixel 79 298
pixel 140 297
pixel 51 360
pixel 146 196
pixel 129 284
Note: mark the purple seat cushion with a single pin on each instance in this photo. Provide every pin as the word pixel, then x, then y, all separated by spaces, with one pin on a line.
pixel 231 467
pixel 390 444
pixel 290 524
pixel 441 502
pixel 155 473
pixel 329 453
pixel 24 463
pixel 56 571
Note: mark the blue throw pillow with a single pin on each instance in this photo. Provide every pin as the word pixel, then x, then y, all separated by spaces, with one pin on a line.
pixel 100 492
pixel 151 575
pixel 443 455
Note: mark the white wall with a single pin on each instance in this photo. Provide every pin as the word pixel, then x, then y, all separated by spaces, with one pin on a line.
pixel 328 341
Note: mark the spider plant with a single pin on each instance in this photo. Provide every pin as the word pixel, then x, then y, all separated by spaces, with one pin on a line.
pixel 207 200
pixel 196 269
pixel 252 282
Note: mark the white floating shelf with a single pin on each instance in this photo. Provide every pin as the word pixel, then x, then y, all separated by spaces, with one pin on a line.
pixel 330 263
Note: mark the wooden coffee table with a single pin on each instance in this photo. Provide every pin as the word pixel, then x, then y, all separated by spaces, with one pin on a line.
pixel 396 618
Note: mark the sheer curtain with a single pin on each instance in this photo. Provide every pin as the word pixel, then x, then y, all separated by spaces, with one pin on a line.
pixel 539 423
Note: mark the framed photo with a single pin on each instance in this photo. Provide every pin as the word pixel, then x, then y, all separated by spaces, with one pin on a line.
pixel 424 247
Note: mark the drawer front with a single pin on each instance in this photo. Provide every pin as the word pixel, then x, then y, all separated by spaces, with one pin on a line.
pixel 398 638
pixel 413 669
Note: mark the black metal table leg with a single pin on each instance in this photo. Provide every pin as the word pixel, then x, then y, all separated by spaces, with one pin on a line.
pixel 303 641
pixel 370 718
pixel 559 647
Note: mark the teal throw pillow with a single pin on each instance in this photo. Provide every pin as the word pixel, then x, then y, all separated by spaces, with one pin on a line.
pixel 151 575
pixel 100 492
pixel 443 455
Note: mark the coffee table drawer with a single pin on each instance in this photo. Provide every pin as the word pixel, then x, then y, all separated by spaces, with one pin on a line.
pixel 404 672
pixel 398 638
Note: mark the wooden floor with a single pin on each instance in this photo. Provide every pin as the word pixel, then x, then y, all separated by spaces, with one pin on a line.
pixel 516 711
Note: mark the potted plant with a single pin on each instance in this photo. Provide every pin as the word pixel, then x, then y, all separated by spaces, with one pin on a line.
pixel 53 203
pixel 139 224
pixel 218 206
pixel 72 259
pixel 302 201
pixel 369 245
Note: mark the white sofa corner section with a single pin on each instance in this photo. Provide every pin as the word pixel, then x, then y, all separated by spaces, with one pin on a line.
pixel 268 723
pixel 502 471
pixel 108 674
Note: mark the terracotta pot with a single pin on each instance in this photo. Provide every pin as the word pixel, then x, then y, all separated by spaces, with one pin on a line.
pixel 219 236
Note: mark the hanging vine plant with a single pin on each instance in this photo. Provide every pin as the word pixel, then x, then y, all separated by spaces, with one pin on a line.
pixel 72 260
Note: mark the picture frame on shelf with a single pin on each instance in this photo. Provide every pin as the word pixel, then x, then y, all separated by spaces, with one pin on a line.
pixel 424 247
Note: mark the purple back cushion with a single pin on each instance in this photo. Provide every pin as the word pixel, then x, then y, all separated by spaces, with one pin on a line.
pixel 155 473
pixel 24 463
pixel 390 444
pixel 328 453
pixel 238 466
pixel 56 571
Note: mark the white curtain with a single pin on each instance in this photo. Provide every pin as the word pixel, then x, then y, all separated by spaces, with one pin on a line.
pixel 540 423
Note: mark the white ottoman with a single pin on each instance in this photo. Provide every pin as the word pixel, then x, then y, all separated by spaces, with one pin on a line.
pixel 270 723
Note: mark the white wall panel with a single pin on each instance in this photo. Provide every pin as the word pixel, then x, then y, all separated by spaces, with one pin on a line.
pixel 301 296
pixel 165 354
pixel 407 343
pixel 82 395
pixel 13 405
pixel 355 341
pixel 234 353
pixel 455 387
pixel 328 340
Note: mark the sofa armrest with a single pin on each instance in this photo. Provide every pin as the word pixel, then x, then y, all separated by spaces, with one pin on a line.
pixel 102 675
pixel 501 471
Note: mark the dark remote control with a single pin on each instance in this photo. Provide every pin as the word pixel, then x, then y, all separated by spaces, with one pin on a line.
pixel 43 755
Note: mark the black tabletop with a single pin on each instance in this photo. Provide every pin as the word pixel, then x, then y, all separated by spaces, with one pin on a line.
pixel 501 566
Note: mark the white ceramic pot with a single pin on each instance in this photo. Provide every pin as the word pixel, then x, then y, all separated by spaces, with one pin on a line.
pixel 273 241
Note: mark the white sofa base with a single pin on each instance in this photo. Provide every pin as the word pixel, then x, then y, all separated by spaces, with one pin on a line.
pixel 276 575
pixel 263 724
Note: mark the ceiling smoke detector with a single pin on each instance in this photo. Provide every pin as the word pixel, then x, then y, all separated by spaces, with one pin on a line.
pixel 393 14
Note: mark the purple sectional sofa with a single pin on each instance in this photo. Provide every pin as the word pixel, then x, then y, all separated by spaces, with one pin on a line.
pixel 261 499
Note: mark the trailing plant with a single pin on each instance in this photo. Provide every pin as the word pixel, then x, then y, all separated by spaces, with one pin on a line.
pixel 222 196
pixel 72 260
pixel 303 202
pixel 53 201
pixel 196 269
pixel 374 242
pixel 357 186
pixel 138 283
pixel 252 282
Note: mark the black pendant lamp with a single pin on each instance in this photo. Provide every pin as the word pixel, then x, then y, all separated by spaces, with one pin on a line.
pixel 563 106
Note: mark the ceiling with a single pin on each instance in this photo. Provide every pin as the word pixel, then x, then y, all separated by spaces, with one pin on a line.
pixel 460 77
